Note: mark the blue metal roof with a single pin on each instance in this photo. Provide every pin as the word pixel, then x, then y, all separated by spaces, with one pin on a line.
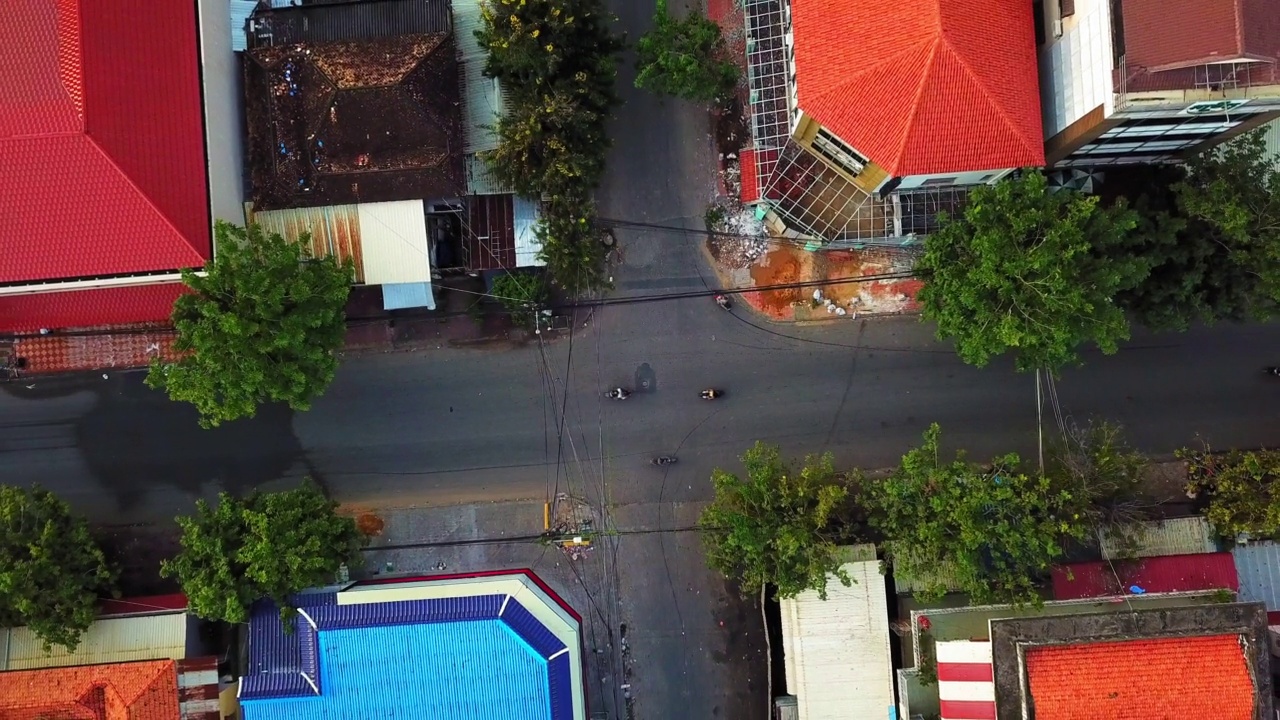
pixel 1258 565
pixel 472 657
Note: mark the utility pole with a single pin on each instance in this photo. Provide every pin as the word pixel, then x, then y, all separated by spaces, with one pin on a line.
pixel 1040 421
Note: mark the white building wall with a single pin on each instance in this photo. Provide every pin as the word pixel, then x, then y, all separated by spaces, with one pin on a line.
pixel 223 108
pixel 1075 69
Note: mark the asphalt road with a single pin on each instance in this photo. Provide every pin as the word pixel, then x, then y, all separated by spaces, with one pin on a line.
pixel 461 426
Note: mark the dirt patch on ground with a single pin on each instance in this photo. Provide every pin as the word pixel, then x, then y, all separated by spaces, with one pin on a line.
pixel 370 525
pixel 781 266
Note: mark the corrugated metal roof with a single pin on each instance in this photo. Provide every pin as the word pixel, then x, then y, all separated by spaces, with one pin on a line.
pixel 1176 536
pixel 528 246
pixel 393 236
pixel 335 230
pixel 240 12
pixel 1272 135
pixel 482 97
pixel 837 655
pixel 379 659
pixel 1258 566
pixel 112 640
pixel 479 180
pixel 906 584
pixel 1171 573
pixel 351 21
pixel 386 241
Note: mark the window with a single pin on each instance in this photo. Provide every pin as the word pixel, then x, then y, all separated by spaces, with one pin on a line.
pixel 837 151
pixel 935 182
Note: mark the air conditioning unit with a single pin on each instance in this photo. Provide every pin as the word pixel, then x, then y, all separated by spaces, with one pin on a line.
pixel 1273 640
pixel 1057 27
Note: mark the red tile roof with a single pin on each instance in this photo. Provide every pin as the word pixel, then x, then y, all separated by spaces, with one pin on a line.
pixel 102 165
pixel 1168 34
pixel 119 691
pixel 1196 678
pixel 1173 573
pixel 88 308
pixel 750 191
pixel 923 86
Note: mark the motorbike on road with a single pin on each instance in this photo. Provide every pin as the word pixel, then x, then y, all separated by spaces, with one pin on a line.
pixel 712 394
pixel 618 393
pixel 662 460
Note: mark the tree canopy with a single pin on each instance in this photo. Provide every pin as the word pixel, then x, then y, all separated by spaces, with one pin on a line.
pixel 993 527
pixel 263 325
pixel 685 57
pixel 1027 270
pixel 52 571
pixel 1242 490
pixel 775 526
pixel 557 61
pixel 268 545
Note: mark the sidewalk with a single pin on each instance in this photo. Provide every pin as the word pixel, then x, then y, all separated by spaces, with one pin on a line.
pixel 459 320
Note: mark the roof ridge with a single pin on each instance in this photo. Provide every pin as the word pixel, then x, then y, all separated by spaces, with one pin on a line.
pixel 93 142
pixel 918 99
pixel 993 103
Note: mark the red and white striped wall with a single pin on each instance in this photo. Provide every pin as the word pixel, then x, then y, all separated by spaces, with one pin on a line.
pixel 966 688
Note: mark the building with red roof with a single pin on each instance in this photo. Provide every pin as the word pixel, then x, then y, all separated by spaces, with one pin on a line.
pixel 1167 657
pixel 1148 81
pixel 852 100
pixel 104 174
pixel 1167 574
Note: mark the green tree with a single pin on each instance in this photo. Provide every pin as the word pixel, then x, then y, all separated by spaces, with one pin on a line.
pixel 685 57
pixel 1227 263
pixel 995 528
pixel 775 526
pixel 557 60
pixel 523 294
pixel 1026 270
pixel 52 571
pixel 571 246
pixel 269 545
pixel 1243 490
pixel 263 325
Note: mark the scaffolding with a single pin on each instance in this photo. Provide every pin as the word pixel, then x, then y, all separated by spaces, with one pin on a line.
pixel 917 211
pixel 767 77
pixel 815 200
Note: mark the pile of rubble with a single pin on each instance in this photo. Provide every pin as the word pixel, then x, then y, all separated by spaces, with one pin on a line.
pixel 739 239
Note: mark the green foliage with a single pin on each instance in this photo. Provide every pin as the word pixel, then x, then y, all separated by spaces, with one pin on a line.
pixel 774 525
pixel 997 528
pixel 1243 490
pixel 52 572
pixel 523 294
pixel 685 57
pixel 1026 270
pixel 269 545
pixel 1105 476
pixel 571 246
pixel 262 326
pixel 557 60
pixel 1231 198
pixel 553 143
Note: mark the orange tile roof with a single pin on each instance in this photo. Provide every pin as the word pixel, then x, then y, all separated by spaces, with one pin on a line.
pixel 1174 678
pixel 923 86
pixel 119 691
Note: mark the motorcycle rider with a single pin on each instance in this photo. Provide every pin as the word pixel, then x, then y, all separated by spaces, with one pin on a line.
pixel 618 393
pixel 711 394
